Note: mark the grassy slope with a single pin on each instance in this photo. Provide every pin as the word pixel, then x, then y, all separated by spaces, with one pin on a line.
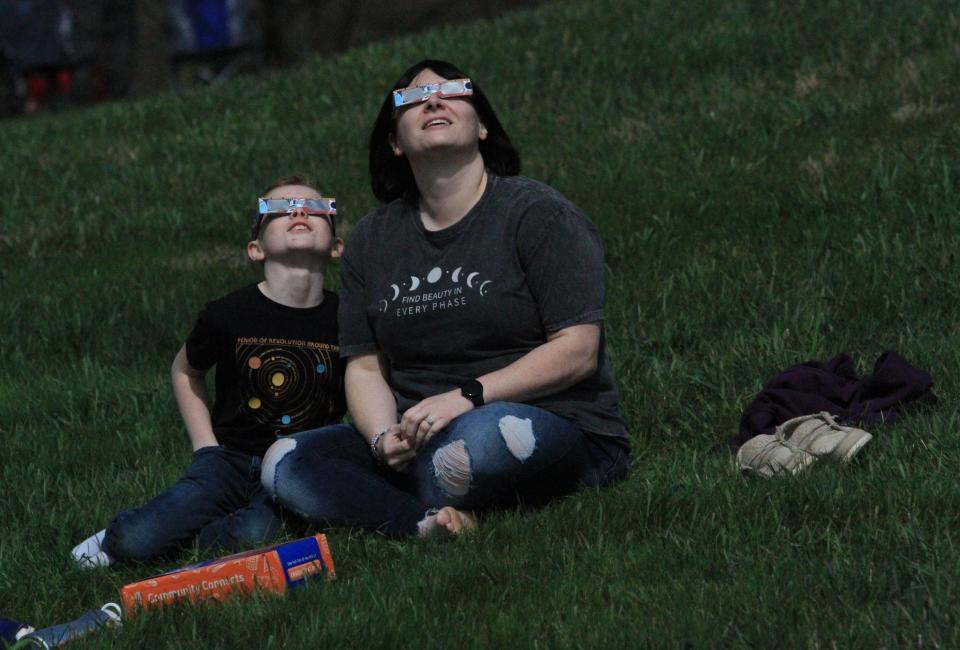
pixel 773 185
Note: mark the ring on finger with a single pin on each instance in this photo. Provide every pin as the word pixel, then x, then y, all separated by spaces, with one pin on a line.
pixel 430 421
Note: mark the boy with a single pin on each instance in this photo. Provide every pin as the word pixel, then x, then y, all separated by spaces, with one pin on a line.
pixel 278 372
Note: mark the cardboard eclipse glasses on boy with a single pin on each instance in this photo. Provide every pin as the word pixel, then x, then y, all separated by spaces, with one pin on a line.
pixel 326 208
pixel 417 94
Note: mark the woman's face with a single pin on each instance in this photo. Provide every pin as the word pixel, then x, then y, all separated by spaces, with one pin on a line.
pixel 437 125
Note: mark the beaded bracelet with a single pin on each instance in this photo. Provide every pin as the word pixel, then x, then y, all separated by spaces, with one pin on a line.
pixel 375 449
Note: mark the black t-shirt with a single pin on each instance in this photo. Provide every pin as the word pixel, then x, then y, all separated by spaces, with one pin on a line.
pixel 455 304
pixel 278 368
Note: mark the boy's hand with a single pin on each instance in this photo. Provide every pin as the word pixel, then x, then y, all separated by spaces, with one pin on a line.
pixel 425 419
pixel 396 450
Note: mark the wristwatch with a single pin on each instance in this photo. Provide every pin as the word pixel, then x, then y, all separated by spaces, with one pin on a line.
pixel 473 391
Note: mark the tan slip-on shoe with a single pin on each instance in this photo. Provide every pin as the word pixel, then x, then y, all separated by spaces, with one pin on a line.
pixel 819 434
pixel 768 456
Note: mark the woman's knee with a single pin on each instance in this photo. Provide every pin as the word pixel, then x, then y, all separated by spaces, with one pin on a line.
pixel 504 434
pixel 452 468
pixel 477 459
pixel 289 456
pixel 490 449
pixel 277 452
pixel 464 473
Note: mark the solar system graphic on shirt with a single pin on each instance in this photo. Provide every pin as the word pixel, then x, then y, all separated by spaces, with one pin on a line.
pixel 284 385
pixel 438 289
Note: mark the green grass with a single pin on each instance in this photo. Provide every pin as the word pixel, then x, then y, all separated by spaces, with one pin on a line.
pixel 773 185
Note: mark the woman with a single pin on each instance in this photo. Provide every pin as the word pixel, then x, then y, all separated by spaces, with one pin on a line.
pixel 471 318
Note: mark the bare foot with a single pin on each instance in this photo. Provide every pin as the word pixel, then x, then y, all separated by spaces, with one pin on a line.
pixel 448 521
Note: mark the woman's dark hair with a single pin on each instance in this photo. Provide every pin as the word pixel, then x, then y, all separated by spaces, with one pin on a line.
pixel 391 176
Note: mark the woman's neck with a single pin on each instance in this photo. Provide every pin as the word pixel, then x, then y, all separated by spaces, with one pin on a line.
pixel 448 192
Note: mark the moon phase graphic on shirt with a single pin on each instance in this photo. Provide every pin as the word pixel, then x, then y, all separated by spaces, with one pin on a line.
pixel 280 384
pixel 405 293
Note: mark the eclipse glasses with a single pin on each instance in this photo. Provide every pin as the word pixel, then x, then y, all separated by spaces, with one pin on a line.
pixel 326 208
pixel 286 206
pixel 417 94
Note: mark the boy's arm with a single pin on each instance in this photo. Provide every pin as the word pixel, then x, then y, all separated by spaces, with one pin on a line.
pixel 190 391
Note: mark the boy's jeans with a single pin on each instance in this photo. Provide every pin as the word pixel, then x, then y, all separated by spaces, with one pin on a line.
pixel 496 456
pixel 219 502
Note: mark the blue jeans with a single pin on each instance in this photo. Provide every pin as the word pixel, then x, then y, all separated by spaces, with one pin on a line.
pixel 219 502
pixel 497 456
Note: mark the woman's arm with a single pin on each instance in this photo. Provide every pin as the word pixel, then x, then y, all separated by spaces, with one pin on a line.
pixel 373 409
pixel 190 391
pixel 568 357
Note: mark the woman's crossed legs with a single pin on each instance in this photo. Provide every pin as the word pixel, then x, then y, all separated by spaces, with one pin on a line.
pixel 496 456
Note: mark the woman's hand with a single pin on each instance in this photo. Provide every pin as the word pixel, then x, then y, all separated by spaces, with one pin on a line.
pixel 397 451
pixel 422 421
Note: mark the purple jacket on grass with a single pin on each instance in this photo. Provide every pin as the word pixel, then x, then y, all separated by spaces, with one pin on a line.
pixel 835 387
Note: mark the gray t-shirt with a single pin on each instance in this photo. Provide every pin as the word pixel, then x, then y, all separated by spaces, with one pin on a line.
pixel 455 304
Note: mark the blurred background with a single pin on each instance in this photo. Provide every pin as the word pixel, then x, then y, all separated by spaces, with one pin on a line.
pixel 60 53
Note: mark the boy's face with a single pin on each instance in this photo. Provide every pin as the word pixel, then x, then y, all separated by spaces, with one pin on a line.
pixel 296 234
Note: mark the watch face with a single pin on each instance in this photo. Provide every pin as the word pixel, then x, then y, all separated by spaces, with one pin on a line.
pixel 473 391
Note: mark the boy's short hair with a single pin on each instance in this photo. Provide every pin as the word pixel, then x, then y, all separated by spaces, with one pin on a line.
pixel 296 179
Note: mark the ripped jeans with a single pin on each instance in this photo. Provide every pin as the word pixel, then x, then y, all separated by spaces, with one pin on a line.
pixel 497 456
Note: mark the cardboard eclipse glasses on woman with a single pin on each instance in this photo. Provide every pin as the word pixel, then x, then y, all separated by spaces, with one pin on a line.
pixel 417 94
pixel 325 208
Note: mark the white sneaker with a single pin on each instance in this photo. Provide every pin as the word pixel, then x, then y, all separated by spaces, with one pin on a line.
pixel 767 455
pixel 798 443
pixel 89 553
pixel 821 436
